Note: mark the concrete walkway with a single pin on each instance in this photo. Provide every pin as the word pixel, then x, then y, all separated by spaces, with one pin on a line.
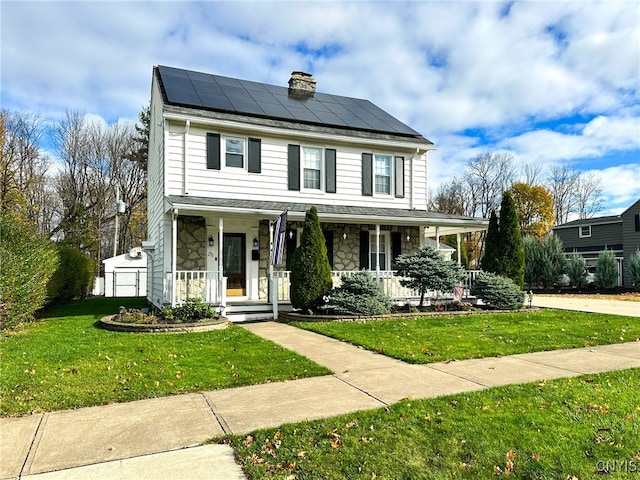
pixel 163 437
pixel 594 305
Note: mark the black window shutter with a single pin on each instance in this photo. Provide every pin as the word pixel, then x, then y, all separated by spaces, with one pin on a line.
pixel 328 240
pixel 213 151
pixel 330 170
pixel 294 167
pixel 367 174
pixel 364 249
pixel 396 247
pixel 255 155
pixel 637 220
pixel 399 177
pixel 292 243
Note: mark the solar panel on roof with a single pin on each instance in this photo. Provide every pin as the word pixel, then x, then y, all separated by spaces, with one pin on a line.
pixel 228 94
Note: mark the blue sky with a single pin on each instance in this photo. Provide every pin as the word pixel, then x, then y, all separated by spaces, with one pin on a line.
pixel 552 82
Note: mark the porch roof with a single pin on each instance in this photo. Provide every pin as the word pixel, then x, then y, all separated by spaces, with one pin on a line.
pixel 448 224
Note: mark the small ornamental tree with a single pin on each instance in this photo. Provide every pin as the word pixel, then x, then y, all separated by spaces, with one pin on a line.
pixel 428 270
pixel 310 268
pixel 489 262
pixel 576 267
pixel 606 274
pixel 359 294
pixel 633 269
pixel 551 261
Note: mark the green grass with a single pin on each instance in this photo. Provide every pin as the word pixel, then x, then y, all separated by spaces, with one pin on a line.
pixel 435 339
pixel 66 361
pixel 561 429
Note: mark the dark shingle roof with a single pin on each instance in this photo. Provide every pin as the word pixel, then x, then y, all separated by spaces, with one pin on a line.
pixel 230 95
pixel 590 221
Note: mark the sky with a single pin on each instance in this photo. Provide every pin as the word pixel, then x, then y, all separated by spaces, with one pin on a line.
pixel 551 82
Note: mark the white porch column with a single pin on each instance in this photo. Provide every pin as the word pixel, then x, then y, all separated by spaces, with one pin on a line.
pixel 222 290
pixel 378 251
pixel 458 243
pixel 273 283
pixel 437 238
pixel 174 254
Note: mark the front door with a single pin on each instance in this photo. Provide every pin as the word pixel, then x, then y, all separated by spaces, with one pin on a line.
pixel 234 255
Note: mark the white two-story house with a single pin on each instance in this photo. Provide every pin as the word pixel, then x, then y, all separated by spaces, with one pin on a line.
pixel 228 156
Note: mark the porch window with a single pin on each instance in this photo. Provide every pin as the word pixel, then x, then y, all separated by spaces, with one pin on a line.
pixel 383 248
pixel 312 168
pixel 584 231
pixel 234 152
pixel 382 170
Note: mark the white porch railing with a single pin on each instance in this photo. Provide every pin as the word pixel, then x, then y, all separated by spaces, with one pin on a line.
pixel 389 280
pixel 205 285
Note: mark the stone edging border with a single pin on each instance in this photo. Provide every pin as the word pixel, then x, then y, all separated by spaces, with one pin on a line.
pixel 108 323
pixel 298 317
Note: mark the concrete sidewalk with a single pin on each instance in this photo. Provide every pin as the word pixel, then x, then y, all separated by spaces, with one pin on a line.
pixel 593 305
pixel 163 437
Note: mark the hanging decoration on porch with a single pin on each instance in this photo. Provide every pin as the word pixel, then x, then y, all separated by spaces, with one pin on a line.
pixel 278 242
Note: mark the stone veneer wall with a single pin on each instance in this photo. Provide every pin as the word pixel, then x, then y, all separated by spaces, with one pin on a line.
pixel 191 247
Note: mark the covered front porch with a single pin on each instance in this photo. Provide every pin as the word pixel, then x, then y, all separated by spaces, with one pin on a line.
pixel 220 252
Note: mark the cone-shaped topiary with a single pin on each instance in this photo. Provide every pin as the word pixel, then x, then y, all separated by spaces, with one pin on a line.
pixel 489 262
pixel 310 268
pixel 511 253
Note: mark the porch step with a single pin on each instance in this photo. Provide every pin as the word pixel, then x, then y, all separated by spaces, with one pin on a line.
pixel 252 311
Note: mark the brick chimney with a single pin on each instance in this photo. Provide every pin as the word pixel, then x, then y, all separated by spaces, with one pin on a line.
pixel 302 85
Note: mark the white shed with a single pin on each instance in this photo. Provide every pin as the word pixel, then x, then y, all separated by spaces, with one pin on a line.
pixel 126 275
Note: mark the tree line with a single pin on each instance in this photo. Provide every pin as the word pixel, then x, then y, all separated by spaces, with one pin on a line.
pixel 542 198
pixel 68 193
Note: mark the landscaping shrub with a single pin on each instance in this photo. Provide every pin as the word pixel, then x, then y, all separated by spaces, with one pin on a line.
pixel 427 270
pixel 576 266
pixel 193 309
pixel 490 259
pixel 606 275
pixel 530 246
pixel 633 269
pixel 511 252
pixel 73 277
pixel 359 294
pixel 498 291
pixel 550 260
pixel 310 268
pixel 27 261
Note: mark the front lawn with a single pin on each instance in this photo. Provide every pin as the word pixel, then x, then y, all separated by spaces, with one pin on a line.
pixel 435 339
pixel 66 361
pixel 576 428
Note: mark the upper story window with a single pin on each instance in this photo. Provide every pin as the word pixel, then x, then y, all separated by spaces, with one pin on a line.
pixel 234 152
pixel 584 231
pixel 382 172
pixel 312 168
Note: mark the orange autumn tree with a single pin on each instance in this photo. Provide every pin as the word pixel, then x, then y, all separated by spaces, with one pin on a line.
pixel 534 205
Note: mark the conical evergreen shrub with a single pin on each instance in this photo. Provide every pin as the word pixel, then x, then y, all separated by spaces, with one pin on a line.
pixel 310 268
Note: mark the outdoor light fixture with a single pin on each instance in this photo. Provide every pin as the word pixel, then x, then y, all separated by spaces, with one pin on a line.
pixel 210 240
pixel 344 235
pixel 408 238
pixel 290 234
pixel 255 242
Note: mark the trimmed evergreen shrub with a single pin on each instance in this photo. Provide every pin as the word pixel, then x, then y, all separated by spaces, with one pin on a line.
pixel 27 261
pixel 551 261
pixel 428 270
pixel 606 275
pixel 310 268
pixel 359 294
pixel 498 292
pixel 489 262
pixel 576 266
pixel 73 277
pixel 511 254
pixel 530 246
pixel 633 269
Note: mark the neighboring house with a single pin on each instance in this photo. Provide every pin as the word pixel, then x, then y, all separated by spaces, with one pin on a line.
pixel 126 275
pixel 228 156
pixel 589 237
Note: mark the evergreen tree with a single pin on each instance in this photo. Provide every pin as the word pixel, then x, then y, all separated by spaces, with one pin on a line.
pixel 310 268
pixel 491 246
pixel 510 251
pixel 531 247
pixel 606 270
pixel 428 270
pixel 576 267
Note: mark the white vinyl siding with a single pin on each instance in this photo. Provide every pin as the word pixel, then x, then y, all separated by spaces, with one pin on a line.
pixel 271 183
